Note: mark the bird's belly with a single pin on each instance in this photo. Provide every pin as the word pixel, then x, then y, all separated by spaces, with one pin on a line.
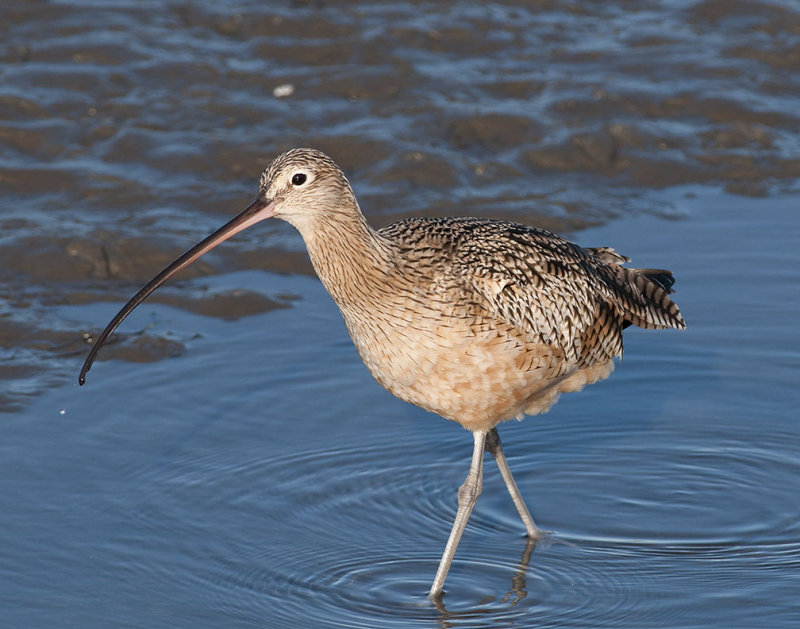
pixel 475 374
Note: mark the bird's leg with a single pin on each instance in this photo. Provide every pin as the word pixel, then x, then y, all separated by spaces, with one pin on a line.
pixel 467 497
pixel 496 448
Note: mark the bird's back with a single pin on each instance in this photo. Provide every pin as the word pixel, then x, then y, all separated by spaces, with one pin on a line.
pixel 549 288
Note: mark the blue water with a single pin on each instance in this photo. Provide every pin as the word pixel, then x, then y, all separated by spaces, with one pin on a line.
pixel 262 478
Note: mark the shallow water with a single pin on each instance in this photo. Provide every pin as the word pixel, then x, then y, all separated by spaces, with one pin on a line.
pixel 263 479
pixel 232 463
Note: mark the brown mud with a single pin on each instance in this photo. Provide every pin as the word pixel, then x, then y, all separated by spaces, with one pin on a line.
pixel 126 135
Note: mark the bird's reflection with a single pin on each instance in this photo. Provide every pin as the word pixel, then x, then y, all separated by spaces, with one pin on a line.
pixel 518 590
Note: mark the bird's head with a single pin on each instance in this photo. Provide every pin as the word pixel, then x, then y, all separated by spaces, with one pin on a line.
pixel 298 186
pixel 304 184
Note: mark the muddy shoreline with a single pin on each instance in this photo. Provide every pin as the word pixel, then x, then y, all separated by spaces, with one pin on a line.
pixel 128 135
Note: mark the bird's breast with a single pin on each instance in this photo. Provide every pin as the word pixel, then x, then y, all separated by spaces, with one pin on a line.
pixel 464 366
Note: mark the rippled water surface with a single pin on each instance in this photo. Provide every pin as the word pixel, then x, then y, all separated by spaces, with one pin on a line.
pixel 231 463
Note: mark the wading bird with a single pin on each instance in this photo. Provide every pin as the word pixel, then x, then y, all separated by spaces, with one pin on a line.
pixel 476 320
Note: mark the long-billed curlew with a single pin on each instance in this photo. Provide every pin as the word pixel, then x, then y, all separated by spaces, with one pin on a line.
pixel 476 320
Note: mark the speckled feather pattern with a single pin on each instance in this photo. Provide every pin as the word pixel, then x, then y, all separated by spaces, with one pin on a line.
pixel 476 320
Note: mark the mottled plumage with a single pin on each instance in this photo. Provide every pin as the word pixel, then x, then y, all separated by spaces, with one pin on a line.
pixel 476 320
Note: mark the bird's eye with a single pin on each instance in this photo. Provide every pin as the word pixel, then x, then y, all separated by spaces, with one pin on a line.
pixel 298 179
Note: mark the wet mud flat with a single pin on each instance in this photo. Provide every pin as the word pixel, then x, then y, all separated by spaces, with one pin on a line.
pixel 128 135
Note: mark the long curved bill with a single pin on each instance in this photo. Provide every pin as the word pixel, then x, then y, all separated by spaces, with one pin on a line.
pixel 259 210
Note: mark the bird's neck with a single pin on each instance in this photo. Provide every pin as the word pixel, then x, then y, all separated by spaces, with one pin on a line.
pixel 352 260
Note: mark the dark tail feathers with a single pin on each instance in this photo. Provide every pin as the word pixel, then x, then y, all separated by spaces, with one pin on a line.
pixel 662 277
